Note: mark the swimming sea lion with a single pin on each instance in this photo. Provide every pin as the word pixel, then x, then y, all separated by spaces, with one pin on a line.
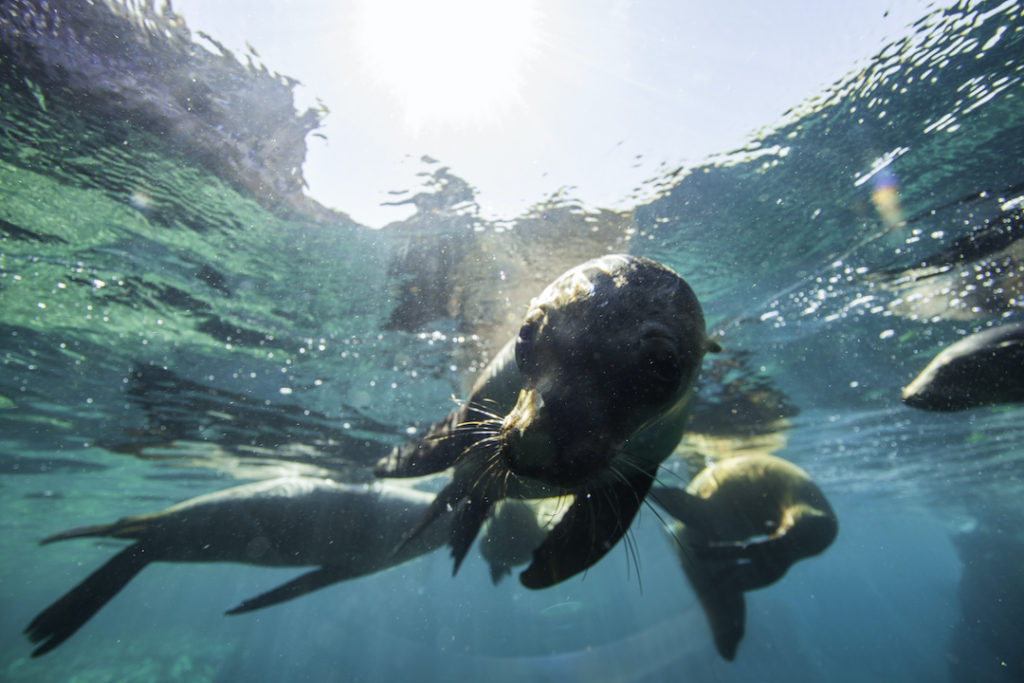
pixel 743 522
pixel 348 530
pixel 984 368
pixel 513 530
pixel 583 404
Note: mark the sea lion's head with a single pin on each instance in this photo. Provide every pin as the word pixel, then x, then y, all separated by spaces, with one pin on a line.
pixel 609 348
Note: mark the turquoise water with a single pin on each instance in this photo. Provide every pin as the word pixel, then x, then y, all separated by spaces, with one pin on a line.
pixel 168 329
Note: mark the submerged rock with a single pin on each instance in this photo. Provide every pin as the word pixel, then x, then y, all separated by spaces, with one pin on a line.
pixel 141 65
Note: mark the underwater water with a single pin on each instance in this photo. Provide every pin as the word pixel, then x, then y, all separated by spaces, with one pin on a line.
pixel 171 326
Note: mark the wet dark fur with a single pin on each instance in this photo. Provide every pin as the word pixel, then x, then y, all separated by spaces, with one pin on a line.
pixel 607 483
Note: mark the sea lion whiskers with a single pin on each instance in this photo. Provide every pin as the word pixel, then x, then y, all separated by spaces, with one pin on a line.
pixel 632 553
pixel 628 537
pixel 489 426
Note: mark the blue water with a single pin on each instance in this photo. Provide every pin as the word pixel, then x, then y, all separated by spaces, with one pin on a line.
pixel 169 330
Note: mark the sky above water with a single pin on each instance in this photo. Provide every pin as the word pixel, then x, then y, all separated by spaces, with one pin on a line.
pixel 523 98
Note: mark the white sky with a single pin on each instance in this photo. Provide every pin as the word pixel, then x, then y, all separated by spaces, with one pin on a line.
pixel 522 97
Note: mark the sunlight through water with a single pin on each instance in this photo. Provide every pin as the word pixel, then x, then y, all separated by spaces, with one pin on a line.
pixel 449 62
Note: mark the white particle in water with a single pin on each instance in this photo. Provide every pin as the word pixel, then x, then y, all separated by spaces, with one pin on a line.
pixel 886 334
pixel 285 391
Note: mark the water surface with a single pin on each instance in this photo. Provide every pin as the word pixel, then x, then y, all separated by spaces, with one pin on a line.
pixel 168 329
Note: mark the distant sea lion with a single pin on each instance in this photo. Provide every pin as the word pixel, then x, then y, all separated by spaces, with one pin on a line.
pixel 742 523
pixel 348 530
pixel 984 368
pixel 584 404
pixel 513 530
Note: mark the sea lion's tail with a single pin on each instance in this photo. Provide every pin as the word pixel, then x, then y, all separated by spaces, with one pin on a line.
pixel 59 621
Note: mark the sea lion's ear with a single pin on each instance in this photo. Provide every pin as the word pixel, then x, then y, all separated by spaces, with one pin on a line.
pixel 590 528
pixel 711 346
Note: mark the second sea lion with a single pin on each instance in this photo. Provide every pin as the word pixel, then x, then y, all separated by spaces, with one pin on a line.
pixel 742 523
pixel 346 530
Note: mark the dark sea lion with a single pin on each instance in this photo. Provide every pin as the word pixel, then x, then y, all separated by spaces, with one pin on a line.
pixel 743 522
pixel 984 368
pixel 347 530
pixel 583 404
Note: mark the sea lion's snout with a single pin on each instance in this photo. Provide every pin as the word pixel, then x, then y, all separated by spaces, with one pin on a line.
pixel 608 348
pixel 531 445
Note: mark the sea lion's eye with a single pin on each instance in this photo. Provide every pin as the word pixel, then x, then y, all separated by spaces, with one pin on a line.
pixel 525 340
pixel 661 361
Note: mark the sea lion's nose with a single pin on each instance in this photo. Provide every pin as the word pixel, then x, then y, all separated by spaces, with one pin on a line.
pixel 526 437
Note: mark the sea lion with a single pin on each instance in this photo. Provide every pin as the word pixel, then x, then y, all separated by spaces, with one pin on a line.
pixel 984 368
pixel 742 523
pixel 513 530
pixel 348 530
pixel 583 404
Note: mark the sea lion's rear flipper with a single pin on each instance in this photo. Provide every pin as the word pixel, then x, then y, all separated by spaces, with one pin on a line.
pixel 686 507
pixel 590 528
pixel 307 583
pixel 59 621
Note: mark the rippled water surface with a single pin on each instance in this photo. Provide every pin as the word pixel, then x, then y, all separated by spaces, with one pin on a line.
pixel 168 329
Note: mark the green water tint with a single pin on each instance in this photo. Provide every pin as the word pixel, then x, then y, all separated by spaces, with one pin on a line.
pixel 119 252
pixel 110 242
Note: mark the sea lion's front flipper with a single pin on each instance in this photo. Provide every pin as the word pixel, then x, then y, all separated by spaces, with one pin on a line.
pixel 435 451
pixel 59 621
pixel 447 500
pixel 684 506
pixel 307 583
pixel 726 612
pixel 590 528
pixel 466 525
pixel 756 565
pixel 720 597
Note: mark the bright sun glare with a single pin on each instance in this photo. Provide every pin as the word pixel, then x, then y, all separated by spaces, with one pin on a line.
pixel 448 62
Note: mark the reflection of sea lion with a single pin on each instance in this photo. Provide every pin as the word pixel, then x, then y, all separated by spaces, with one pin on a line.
pixel 348 530
pixel 982 369
pixel 745 521
pixel 585 403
